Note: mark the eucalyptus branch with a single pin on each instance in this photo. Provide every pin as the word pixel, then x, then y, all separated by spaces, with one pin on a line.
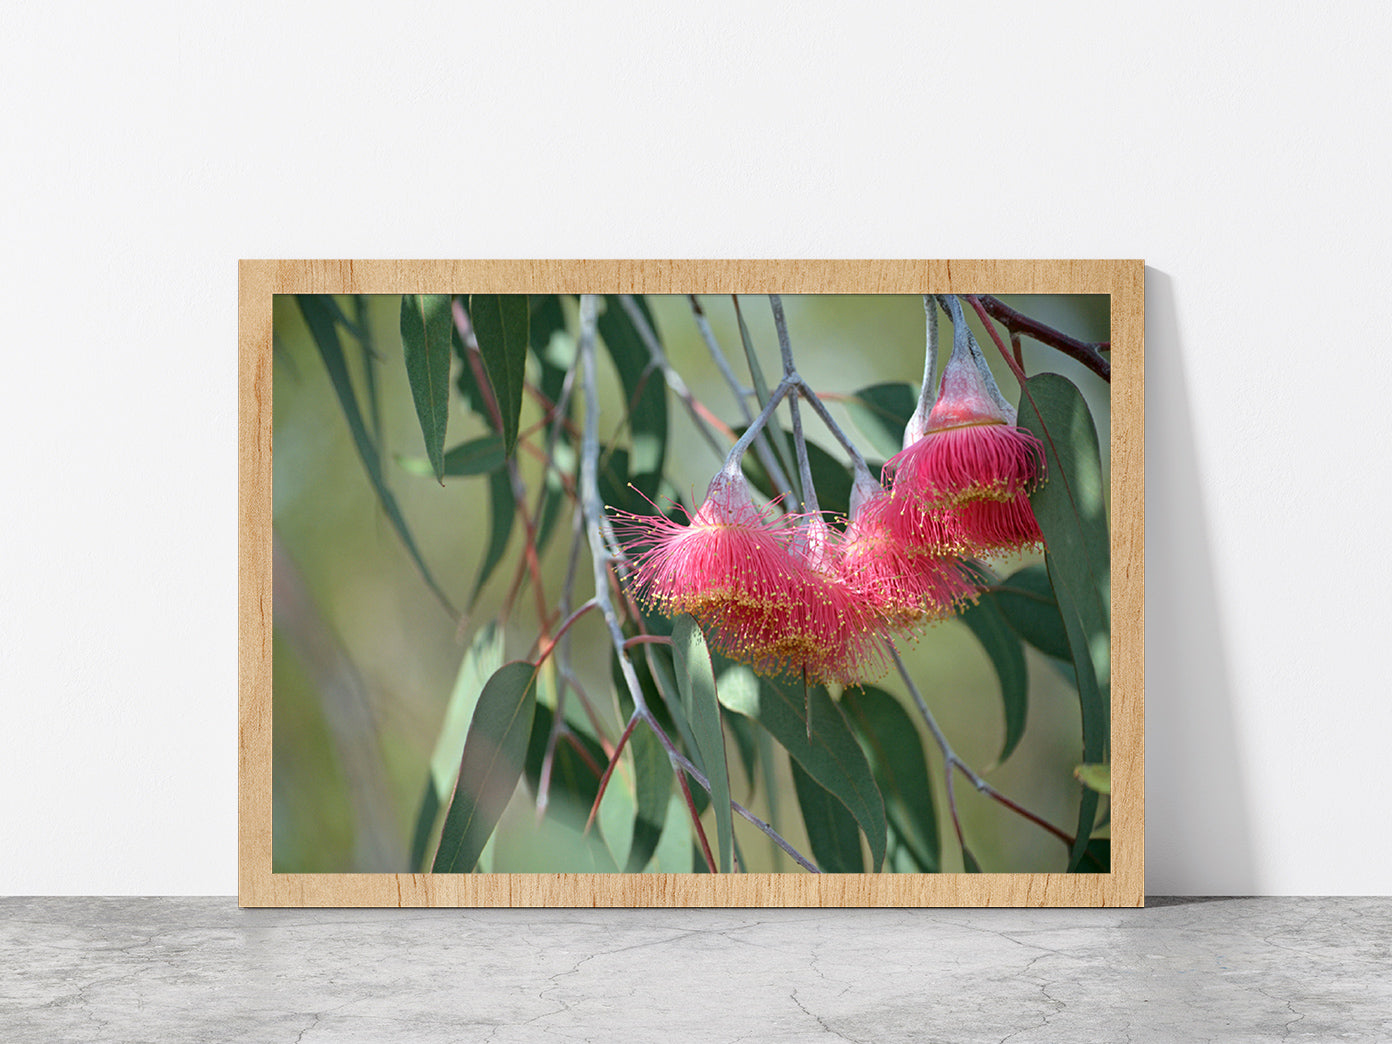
pixel 669 374
pixel 743 443
pixel 952 760
pixel 1088 353
pixel 814 400
pixel 790 374
pixel 765 452
pixel 601 544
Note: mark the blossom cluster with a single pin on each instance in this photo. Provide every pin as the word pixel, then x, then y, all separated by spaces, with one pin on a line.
pixel 791 594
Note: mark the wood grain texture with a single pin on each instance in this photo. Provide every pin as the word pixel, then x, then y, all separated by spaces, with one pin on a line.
pixel 1123 280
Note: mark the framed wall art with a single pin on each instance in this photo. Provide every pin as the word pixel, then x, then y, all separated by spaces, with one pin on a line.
pixel 691 583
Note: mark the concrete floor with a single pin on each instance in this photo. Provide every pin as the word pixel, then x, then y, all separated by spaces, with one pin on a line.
pixel 1190 970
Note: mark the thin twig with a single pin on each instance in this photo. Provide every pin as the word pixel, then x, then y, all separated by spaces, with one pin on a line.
pixel 767 458
pixel 790 374
pixel 952 759
pixel 772 834
pixel 1087 353
pixel 699 414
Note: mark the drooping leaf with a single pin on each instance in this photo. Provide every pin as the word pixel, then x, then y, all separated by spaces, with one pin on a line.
pixel 500 326
pixel 1094 777
pixel 471 379
pixel 494 755
pixel 478 456
pixel 696 680
pixel 1027 600
pixel 832 756
pixel 895 750
pixel 831 829
pixel 782 447
pixel 1007 655
pixel 881 412
pixel 501 510
pixel 645 392
pixel 427 328
pixel 1071 510
pixel 325 336
pixel 481 660
pixel 652 778
pixel 1095 724
pixel 831 478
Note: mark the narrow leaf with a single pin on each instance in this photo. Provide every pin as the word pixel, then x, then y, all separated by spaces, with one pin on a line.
pixel 321 328
pixel 831 828
pixel 1071 510
pixel 832 756
pixel 494 754
pixel 645 392
pixel 502 508
pixel 652 778
pixel 500 327
pixel 476 457
pixel 894 748
pixel 1027 599
pixel 881 412
pixel 427 327
pixel 696 680
pixel 1002 645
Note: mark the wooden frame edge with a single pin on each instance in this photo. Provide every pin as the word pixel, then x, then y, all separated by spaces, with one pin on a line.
pixel 260 280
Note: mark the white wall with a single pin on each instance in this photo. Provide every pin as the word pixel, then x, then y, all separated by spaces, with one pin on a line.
pixel 1242 149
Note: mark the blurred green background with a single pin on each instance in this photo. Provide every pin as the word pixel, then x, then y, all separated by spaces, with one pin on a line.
pixel 365 657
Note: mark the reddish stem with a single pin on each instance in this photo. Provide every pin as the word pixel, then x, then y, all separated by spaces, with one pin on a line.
pixel 609 771
pixel 696 821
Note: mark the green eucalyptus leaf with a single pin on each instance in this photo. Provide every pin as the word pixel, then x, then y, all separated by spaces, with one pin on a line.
pixel 481 660
pixel 494 755
pixel 832 756
pixel 478 456
pixel 1027 599
pixel 321 327
pixel 831 829
pixel 969 861
pixel 427 327
pixel 1007 655
pixel 645 392
pixel 894 748
pixel 502 509
pixel 1072 514
pixel 653 778
pixel 500 326
pixel 696 680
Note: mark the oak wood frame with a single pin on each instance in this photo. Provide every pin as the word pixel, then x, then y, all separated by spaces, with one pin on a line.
pixel 1123 280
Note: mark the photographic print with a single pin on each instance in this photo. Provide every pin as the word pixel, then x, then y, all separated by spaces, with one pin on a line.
pixel 763 596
